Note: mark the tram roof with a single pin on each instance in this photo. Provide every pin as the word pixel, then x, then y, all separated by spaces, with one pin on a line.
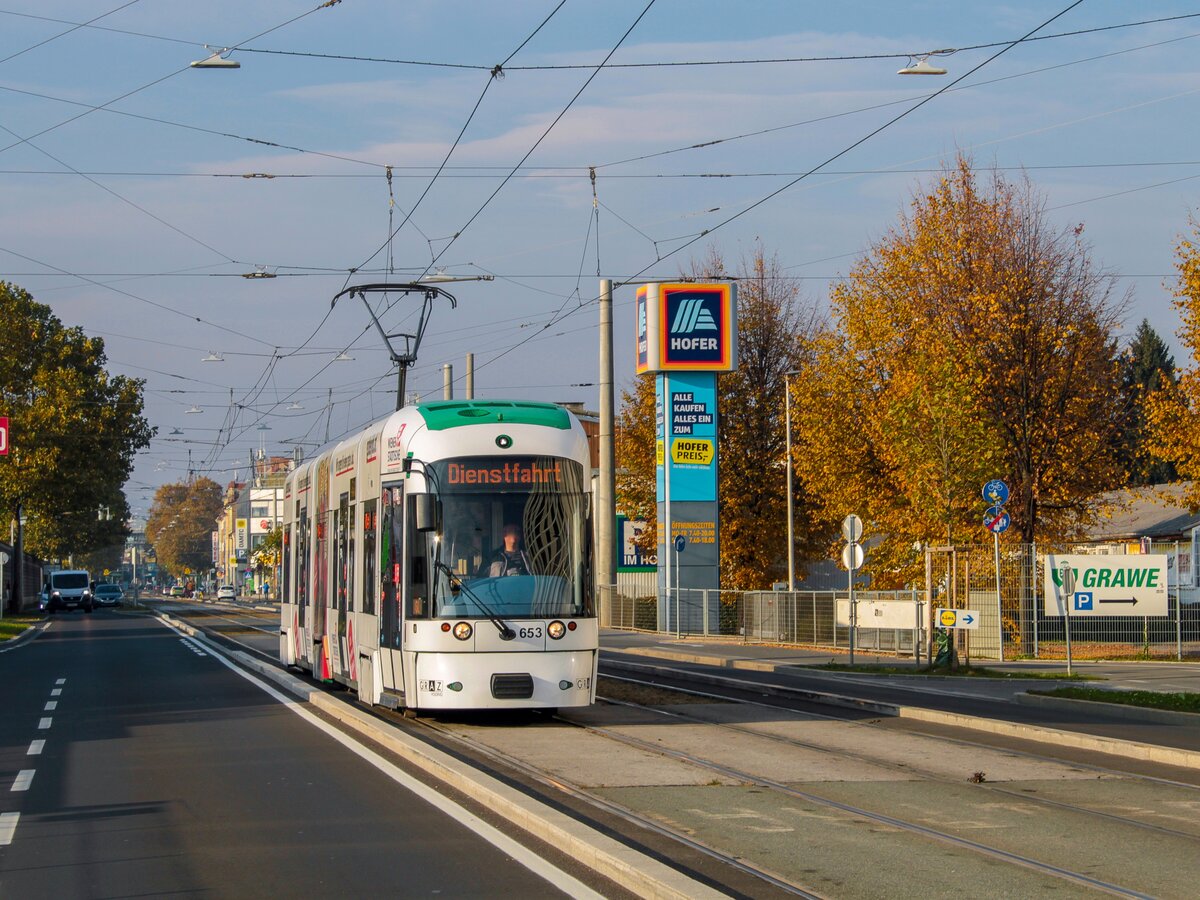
pixel 442 414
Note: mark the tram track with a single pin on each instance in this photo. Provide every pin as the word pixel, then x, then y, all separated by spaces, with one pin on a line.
pixel 908 771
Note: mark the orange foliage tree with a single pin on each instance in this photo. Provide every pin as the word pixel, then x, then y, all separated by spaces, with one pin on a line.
pixel 1173 413
pixel 973 341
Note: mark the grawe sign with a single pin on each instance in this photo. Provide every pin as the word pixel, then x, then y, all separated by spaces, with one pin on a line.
pixel 1133 585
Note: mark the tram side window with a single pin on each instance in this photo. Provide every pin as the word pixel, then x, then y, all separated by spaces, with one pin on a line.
pixel 286 588
pixel 420 588
pixel 370 524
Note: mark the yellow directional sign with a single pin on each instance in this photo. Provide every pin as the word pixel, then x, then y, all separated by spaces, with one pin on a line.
pixel 658 452
pixel 692 451
pixel 956 618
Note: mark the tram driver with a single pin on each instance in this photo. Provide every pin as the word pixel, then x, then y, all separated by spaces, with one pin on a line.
pixel 511 558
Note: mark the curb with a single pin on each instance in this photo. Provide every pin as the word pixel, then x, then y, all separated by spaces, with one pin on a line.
pixel 623 865
pixel 1172 756
pixel 1117 710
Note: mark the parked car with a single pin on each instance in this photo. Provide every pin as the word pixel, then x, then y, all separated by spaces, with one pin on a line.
pixel 108 595
pixel 177 590
pixel 226 592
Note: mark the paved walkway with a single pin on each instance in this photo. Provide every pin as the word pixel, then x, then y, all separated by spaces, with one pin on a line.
pixel 1151 675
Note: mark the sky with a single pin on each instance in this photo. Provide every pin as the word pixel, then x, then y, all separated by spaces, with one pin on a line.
pixel 138 193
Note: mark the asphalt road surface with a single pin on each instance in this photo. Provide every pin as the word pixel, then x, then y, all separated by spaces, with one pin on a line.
pixel 135 763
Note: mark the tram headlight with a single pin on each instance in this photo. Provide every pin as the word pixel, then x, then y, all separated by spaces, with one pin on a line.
pixel 462 630
pixel 556 629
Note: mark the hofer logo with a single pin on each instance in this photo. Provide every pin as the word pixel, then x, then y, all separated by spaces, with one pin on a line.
pixel 694 335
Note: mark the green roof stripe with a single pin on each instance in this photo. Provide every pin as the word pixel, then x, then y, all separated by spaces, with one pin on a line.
pixel 442 414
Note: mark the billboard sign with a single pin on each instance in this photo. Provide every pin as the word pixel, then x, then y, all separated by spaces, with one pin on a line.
pixel 1115 585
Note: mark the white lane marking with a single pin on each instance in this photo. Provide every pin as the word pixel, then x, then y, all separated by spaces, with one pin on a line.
pixel 23 780
pixel 51 706
pixel 193 646
pixel 43 724
pixel 61 681
pixel 57 692
pixel 35 748
pixel 8 827
pixel 568 884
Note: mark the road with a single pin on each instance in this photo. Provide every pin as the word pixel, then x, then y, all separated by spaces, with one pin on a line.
pixel 136 763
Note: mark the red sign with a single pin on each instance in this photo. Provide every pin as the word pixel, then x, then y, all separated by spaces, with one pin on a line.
pixel 3 435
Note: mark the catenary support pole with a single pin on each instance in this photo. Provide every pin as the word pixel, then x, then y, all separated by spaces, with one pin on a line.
pixel 606 523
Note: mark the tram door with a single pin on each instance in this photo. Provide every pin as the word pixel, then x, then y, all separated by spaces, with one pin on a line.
pixel 320 582
pixel 391 557
pixel 339 651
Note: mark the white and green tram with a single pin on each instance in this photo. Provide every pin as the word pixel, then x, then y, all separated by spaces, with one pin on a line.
pixel 441 559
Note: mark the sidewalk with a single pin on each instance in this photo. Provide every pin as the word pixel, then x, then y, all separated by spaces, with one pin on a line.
pixel 1150 675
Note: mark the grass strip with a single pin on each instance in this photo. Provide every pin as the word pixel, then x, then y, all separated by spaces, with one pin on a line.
pixel 1180 701
pixel 15 626
pixel 960 672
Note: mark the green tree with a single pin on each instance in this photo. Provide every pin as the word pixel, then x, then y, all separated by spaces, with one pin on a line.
pixel 752 492
pixel 74 431
pixel 1147 366
pixel 972 341
pixel 181 522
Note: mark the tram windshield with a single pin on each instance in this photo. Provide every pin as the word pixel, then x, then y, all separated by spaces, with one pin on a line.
pixel 514 539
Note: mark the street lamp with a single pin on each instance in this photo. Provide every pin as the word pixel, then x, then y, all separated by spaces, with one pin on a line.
pixel 791 537
pixel 216 60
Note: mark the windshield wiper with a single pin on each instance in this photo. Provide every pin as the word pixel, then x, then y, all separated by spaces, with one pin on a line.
pixel 506 633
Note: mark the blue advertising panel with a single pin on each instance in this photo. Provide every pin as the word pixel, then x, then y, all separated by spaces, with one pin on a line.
pixel 687 417
pixel 643 335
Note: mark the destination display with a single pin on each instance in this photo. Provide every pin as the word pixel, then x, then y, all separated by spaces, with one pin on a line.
pixel 492 472
pixel 1109 585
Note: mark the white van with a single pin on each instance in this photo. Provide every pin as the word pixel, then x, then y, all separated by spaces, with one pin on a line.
pixel 68 589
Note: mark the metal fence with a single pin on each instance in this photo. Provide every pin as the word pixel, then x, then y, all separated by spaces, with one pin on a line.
pixel 1004 588
pixel 785 617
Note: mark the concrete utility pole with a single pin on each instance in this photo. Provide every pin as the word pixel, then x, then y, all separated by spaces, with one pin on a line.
pixel 447 382
pixel 606 489
pixel 469 381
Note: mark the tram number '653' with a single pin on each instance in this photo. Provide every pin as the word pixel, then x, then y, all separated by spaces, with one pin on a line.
pixel 533 632
pixel 430 686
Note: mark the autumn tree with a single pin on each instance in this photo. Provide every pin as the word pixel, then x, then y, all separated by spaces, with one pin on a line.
pixel 181 522
pixel 752 495
pixel 74 431
pixel 1173 413
pixel 973 341
pixel 1147 366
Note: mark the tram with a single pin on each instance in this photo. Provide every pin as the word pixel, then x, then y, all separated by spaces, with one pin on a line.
pixel 441 559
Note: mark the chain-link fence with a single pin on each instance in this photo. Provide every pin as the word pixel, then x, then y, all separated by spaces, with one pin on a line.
pixel 1004 586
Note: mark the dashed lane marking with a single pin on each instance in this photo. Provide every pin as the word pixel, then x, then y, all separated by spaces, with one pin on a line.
pixel 45 723
pixel 23 780
pixel 57 692
pixel 8 827
pixel 51 706
pixel 35 748
pixel 61 681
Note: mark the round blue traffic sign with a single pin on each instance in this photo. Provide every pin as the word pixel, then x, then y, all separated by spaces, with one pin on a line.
pixel 680 543
pixel 996 520
pixel 995 492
